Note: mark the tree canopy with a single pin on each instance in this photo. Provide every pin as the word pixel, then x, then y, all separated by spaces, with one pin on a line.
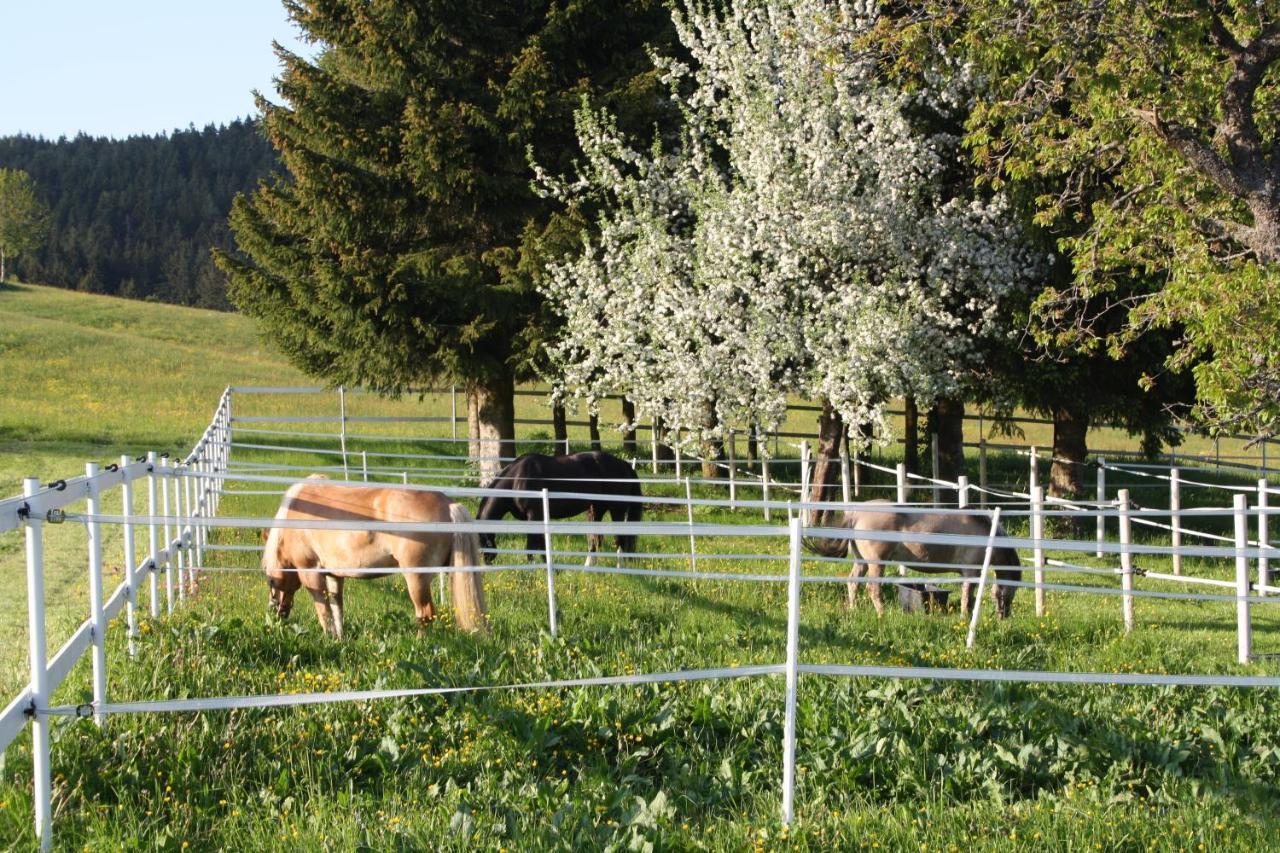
pixel 801 236
pixel 1154 123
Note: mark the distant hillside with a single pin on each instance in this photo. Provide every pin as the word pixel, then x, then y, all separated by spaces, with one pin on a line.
pixel 137 217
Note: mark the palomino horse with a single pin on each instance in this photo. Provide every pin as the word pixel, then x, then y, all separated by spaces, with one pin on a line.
pixel 320 559
pixel 882 516
pixel 595 473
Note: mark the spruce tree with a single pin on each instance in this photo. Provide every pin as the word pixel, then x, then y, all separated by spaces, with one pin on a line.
pixel 402 246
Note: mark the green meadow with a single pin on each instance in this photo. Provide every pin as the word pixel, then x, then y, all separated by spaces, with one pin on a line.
pixel 882 764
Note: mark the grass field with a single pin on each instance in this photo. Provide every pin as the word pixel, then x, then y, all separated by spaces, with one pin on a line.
pixel 883 764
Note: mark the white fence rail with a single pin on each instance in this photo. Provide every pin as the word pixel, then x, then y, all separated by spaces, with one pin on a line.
pixel 183 498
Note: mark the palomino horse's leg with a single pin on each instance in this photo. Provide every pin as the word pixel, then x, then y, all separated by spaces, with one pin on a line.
pixel 333 592
pixel 420 593
pixel 320 598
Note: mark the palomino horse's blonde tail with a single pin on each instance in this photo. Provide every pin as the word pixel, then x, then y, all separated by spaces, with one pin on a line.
pixel 467 588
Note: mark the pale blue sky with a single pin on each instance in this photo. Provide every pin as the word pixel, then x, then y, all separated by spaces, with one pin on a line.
pixel 126 67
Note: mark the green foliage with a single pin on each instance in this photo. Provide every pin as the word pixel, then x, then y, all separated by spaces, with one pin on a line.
pixel 1145 135
pixel 23 217
pixel 136 217
pixel 394 251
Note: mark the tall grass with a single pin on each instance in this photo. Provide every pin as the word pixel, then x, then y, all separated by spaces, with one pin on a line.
pixel 882 764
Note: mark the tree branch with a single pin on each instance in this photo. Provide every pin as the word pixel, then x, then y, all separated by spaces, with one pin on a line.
pixel 1197 152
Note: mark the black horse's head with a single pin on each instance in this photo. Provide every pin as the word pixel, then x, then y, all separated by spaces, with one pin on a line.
pixel 487 542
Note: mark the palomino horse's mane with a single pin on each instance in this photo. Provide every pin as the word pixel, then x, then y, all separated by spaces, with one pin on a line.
pixel 271 548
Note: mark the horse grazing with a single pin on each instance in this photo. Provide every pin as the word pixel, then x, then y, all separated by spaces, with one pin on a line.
pixel 882 516
pixel 594 472
pixel 320 559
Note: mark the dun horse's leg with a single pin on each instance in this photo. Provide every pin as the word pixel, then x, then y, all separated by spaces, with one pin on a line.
pixel 854 573
pixel 333 591
pixel 967 595
pixel 874 571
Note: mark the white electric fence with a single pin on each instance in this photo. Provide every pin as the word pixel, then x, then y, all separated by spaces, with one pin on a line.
pixel 183 498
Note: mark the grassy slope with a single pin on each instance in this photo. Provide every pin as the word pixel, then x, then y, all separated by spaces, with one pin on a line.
pixel 892 765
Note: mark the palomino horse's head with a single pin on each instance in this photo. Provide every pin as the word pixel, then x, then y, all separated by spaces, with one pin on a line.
pixel 282 580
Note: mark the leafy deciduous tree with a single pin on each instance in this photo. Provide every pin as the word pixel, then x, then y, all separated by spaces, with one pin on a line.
pixel 24 219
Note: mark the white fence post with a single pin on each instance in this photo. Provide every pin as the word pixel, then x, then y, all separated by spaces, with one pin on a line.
pixel 733 467
pixel 1102 500
pixel 364 465
pixel 857 474
pixel 1244 629
pixel 982 579
pixel 1033 479
pixel 551 571
pixel 191 530
pixel 844 469
pixel 130 560
pixel 41 781
pixel 764 478
pixel 179 524
pixel 94 530
pixel 962 492
pixel 1175 518
pixel 902 482
pixel 342 426
pixel 153 537
pixel 653 445
pixel 1264 569
pixel 804 478
pixel 1037 535
pixel 453 411
pixel 168 541
pixel 1126 559
pixel 693 542
pixel 793 660
pixel 982 471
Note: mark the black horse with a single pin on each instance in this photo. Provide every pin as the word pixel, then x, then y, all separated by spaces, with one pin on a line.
pixel 595 473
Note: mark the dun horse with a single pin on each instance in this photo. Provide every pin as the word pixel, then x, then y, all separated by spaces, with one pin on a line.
pixel 882 516
pixel 595 473
pixel 321 559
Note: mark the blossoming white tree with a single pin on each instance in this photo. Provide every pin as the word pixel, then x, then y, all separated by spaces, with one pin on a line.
pixel 797 238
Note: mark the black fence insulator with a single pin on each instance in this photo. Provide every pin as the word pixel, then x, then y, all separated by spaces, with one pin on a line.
pixel 24 511
pixel 113 467
pixel 141 457
pixel 56 485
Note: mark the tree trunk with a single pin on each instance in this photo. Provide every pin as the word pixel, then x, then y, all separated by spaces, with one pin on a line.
pixel 1070 452
pixel 593 426
pixel 712 449
pixel 491 414
pixel 660 434
pixel 946 421
pixel 911 435
pixel 629 434
pixel 559 426
pixel 826 466
pixel 753 445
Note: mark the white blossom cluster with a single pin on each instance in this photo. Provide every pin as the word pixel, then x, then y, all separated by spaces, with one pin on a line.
pixel 796 238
